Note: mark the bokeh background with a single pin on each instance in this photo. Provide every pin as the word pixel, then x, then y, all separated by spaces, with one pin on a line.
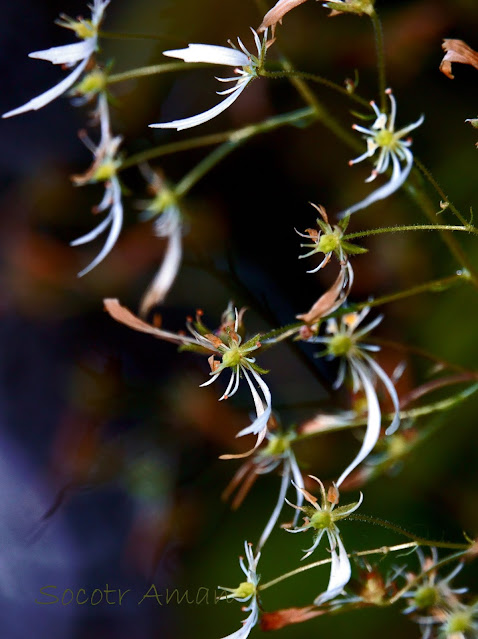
pixel 109 450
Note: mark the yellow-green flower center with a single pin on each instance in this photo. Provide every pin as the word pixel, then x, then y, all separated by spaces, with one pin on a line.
pixel 328 243
pixel 321 519
pixel 277 446
pixel 232 357
pixel 458 622
pixel 340 345
pixel 93 82
pixel 425 597
pixel 105 171
pixel 386 139
pixel 84 29
pixel 245 589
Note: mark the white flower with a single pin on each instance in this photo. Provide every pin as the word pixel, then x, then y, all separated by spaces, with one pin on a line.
pixel 322 518
pixel 103 169
pixel 245 63
pixel 277 452
pixel 392 148
pixel 245 591
pixel 236 356
pixel 343 340
pixel 68 55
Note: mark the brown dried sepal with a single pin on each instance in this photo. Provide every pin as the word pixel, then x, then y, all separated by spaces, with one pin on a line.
pixel 329 301
pixel 457 51
pixel 288 616
pixel 278 11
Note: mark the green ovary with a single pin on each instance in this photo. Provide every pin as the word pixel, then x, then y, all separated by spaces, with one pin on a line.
pixel 105 171
pixel 459 622
pixel 340 345
pixel 321 519
pixel 245 589
pixel 232 357
pixel 328 243
pixel 385 139
pixel 426 597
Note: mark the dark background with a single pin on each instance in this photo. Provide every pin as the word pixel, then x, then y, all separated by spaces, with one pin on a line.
pixel 110 470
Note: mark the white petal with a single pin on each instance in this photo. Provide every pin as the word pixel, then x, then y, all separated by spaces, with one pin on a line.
pixel 387 382
pixel 116 224
pixel 249 624
pixel 164 279
pixel 340 573
pixel 196 120
pixel 298 482
pixel 278 507
pixel 67 54
pixel 210 53
pixel 398 178
pixel 89 237
pixel 45 98
pixel 373 418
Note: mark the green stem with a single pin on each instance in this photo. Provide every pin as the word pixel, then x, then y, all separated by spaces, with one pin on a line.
pixel 154 69
pixel 412 413
pixel 439 190
pixel 420 541
pixel 312 77
pixel 384 550
pixel 412 227
pixel 433 286
pixel 414 189
pixel 203 167
pixel 243 134
pixel 379 47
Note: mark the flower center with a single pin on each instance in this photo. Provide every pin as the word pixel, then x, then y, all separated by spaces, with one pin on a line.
pixel 105 171
pixel 385 139
pixel 244 590
pixel 458 622
pixel 321 519
pixel 84 29
pixel 94 82
pixel 277 446
pixel 425 597
pixel 340 345
pixel 232 357
pixel 328 243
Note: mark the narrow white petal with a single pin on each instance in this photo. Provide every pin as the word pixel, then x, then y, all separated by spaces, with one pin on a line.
pixel 67 54
pixel 398 178
pixel 412 126
pixel 278 507
pixel 164 279
pixel 210 381
pixel 45 98
pixel 234 373
pixel 89 237
pixel 249 624
pixel 373 418
pixel 317 541
pixel 196 120
pixel 116 224
pixel 210 53
pixel 299 484
pixel 340 573
pixel 387 382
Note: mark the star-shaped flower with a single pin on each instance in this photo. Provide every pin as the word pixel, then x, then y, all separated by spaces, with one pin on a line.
pixel 321 518
pixel 392 146
pixel 68 55
pixel 344 340
pixel 245 63
pixel 246 591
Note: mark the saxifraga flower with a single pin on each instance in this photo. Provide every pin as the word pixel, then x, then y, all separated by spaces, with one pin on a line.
pixel 321 518
pixel 392 146
pixel 246 591
pixel 245 63
pixel 343 339
pixel 68 55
